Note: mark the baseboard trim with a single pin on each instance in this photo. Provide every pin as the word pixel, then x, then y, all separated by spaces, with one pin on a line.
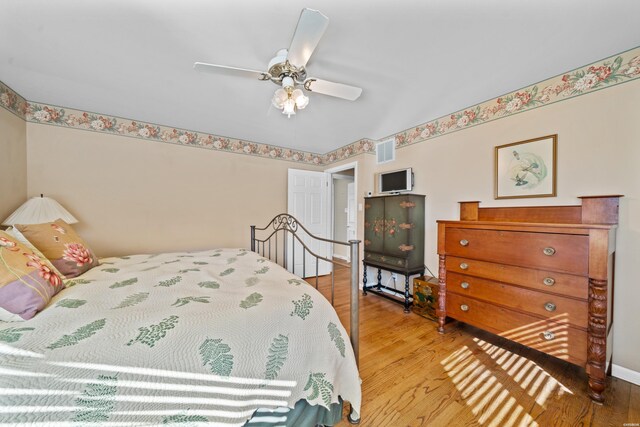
pixel 625 374
pixel 344 258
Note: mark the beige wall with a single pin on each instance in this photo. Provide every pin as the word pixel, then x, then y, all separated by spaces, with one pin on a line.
pixel 598 153
pixel 13 163
pixel 136 196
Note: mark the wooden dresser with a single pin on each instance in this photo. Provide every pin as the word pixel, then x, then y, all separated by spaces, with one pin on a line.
pixel 539 276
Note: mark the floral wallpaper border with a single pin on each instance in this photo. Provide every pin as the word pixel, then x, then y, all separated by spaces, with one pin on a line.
pixel 53 115
pixel 11 101
pixel 609 72
pixel 361 146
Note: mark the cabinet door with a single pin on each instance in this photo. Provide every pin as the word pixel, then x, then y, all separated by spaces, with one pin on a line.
pixel 374 224
pixel 416 217
pixel 398 227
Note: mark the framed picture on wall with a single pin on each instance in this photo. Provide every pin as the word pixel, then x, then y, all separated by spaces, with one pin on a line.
pixel 526 168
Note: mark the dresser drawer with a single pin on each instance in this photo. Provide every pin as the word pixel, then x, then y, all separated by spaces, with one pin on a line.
pixel 554 307
pixel 558 252
pixel 557 339
pixel 547 281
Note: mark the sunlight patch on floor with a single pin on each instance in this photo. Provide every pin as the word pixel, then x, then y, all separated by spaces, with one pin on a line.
pixel 495 402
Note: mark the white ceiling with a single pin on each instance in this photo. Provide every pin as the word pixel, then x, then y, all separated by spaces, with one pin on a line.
pixel 415 60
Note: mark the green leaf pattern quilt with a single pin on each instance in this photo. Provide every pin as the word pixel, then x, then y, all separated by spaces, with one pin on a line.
pixel 151 339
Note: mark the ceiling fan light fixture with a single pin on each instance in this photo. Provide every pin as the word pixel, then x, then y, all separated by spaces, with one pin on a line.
pixel 300 98
pixel 289 107
pixel 288 99
pixel 279 98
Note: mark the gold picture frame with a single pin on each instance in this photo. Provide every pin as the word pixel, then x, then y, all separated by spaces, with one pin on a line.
pixel 526 169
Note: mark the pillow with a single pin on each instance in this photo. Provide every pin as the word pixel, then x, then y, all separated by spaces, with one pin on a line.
pixel 61 245
pixel 18 236
pixel 27 282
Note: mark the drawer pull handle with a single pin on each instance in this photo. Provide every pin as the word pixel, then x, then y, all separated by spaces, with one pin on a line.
pixel 549 251
pixel 464 265
pixel 548 335
pixel 464 285
pixel 464 242
pixel 550 307
pixel 549 281
pixel 464 307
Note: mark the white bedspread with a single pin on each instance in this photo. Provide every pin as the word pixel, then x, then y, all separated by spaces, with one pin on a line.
pixel 184 337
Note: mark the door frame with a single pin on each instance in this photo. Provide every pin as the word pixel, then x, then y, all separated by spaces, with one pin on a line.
pixel 331 171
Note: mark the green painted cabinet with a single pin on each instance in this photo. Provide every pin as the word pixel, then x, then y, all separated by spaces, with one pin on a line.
pixel 394 236
pixel 394 230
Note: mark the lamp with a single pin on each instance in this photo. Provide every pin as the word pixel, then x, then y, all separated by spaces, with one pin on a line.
pixel 288 99
pixel 38 210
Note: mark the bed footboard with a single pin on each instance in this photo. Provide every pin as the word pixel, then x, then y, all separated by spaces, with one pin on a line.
pixel 283 234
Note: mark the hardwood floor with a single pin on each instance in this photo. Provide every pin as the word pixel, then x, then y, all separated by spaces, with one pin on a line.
pixel 413 376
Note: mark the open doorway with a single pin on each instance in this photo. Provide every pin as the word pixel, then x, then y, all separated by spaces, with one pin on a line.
pixel 344 216
pixel 343 207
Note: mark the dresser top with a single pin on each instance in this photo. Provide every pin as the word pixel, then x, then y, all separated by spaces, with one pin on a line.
pixel 529 226
pixel 594 212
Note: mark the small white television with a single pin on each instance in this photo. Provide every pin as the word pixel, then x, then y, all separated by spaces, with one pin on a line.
pixel 398 181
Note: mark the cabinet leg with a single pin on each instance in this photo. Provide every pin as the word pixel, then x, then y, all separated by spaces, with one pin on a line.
pixel 364 279
pixel 406 293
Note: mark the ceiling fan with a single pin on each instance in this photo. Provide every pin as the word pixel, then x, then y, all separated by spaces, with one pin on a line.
pixel 287 68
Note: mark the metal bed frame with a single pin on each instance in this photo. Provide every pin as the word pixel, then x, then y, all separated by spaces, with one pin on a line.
pixel 291 229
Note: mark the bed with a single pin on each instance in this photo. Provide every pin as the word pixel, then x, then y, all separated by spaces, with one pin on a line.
pixel 217 337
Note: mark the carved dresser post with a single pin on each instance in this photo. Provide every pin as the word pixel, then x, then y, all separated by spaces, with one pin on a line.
pixel 597 338
pixel 442 294
pixel 601 210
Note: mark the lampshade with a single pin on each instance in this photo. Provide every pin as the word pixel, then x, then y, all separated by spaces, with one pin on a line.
pixel 288 99
pixel 38 210
pixel 289 107
pixel 279 98
pixel 301 100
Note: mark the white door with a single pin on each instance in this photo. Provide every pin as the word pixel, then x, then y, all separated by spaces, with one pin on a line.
pixel 351 212
pixel 307 202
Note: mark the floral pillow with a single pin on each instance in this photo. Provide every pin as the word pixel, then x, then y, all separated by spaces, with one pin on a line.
pixel 27 282
pixel 16 235
pixel 61 245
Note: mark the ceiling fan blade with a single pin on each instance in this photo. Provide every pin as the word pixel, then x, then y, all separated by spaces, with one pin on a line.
pixel 232 71
pixel 310 28
pixel 338 90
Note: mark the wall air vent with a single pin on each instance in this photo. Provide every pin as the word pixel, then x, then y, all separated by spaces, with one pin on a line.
pixel 386 151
